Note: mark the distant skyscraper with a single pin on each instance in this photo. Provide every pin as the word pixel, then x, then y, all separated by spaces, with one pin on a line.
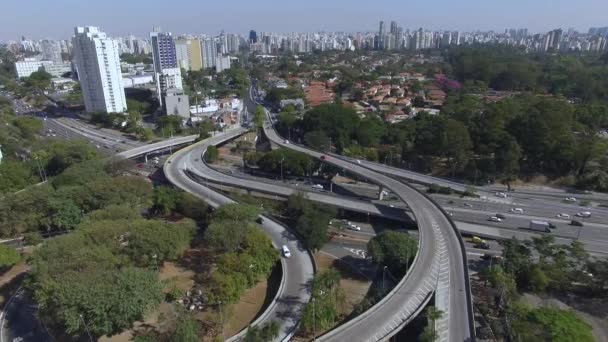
pixel 394 27
pixel 51 51
pixel 381 28
pixel 253 37
pixel 98 66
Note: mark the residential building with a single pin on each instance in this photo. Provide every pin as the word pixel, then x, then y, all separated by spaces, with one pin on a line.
pixel 166 69
pixel 163 51
pixel 183 49
pixel 209 48
pixel 189 54
pixel 222 63
pixel 51 51
pixel 98 67
pixel 253 37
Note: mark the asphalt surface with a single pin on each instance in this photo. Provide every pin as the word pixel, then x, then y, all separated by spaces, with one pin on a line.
pixel 298 270
pixel 19 320
pixel 439 265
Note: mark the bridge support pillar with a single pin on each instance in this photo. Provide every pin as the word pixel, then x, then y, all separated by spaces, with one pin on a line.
pixel 381 193
pixel 146 157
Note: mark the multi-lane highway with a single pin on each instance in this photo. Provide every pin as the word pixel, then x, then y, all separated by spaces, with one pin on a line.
pixel 298 270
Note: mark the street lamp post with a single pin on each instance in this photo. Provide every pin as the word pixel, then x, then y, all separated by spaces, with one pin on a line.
pixel 86 327
pixel 221 319
pixel 281 162
pixel 314 324
pixel 383 276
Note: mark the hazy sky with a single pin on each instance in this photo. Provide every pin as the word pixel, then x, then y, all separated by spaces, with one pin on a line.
pixel 54 19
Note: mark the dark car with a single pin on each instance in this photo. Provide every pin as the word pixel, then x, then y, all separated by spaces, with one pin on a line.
pixel 552 226
pixel 259 220
pixel 323 157
pixel 482 245
pixel 501 216
pixel 576 223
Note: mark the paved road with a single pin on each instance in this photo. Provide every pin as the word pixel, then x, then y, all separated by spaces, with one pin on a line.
pixel 19 320
pixel 297 271
pixel 439 265
pixel 593 235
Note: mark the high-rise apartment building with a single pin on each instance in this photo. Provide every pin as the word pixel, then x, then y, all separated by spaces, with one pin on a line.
pixel 163 51
pixel 51 51
pixel 209 52
pixel 98 66
pixel 166 69
pixel 189 54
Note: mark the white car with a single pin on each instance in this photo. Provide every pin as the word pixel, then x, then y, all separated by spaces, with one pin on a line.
pixel 584 214
pixel 563 216
pixel 286 252
pixel 517 210
pixel 501 195
pixel 286 141
pixel 358 161
pixel 570 199
pixel 352 226
pixel 318 186
pixel 494 219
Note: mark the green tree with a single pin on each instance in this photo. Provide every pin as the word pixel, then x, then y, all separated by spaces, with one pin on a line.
pixel 258 117
pixel 393 249
pixel 8 256
pixel 169 124
pixel 212 154
pixel 551 325
pixel 227 235
pixel 188 329
pixel 268 332
pixel 28 126
pixel 165 200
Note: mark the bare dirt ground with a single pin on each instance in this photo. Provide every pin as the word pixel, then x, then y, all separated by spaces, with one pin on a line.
pixel 245 311
pixel 592 311
pixel 10 281
pixel 183 275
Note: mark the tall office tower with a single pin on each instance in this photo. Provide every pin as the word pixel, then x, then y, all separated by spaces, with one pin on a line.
pixel 166 71
pixel 381 28
pixel 394 27
pixel 253 37
pixel 98 67
pixel 209 48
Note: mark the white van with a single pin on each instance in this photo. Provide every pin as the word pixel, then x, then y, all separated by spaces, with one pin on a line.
pixel 517 210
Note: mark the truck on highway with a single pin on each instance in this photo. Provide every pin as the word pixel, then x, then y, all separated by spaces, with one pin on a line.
pixel 541 226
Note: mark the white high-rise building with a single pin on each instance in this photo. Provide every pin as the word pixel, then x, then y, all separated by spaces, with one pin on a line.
pixel 209 48
pixel 98 66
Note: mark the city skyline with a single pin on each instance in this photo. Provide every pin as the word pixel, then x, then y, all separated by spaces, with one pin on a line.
pixel 137 17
